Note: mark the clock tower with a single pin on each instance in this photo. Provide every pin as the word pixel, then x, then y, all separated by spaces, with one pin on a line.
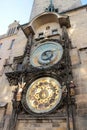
pixel 45 94
pixel 45 89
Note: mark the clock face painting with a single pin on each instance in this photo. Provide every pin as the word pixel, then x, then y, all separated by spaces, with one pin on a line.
pixel 46 54
pixel 43 95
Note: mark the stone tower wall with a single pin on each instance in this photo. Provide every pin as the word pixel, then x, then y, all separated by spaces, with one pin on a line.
pixel 39 6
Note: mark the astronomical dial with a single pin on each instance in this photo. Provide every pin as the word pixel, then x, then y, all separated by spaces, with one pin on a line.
pixel 43 95
pixel 46 54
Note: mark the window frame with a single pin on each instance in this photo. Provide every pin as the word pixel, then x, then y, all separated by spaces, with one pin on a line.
pixel 12 44
pixel 0 45
pixel 54 31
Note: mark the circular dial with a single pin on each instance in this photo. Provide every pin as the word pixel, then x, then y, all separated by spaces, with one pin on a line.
pixel 43 95
pixel 46 54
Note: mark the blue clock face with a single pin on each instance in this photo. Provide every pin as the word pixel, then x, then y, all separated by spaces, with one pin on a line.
pixel 46 54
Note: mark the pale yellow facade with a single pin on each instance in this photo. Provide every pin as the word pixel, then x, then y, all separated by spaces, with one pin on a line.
pixel 7 54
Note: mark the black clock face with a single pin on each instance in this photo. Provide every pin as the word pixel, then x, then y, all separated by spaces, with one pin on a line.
pixel 46 54
pixel 43 95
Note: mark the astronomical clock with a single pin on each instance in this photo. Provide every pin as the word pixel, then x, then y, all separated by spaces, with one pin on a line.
pixel 46 54
pixel 48 68
pixel 42 95
pixel 45 77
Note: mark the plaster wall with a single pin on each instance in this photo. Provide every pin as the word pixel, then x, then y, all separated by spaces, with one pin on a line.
pixel 8 54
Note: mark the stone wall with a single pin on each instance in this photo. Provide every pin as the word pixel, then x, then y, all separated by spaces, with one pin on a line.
pixel 41 125
pixel 78 35
pixel 39 6
pixel 7 55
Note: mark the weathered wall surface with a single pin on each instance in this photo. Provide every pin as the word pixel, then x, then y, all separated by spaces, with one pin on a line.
pixel 7 55
pixel 78 35
pixel 44 125
pixel 39 6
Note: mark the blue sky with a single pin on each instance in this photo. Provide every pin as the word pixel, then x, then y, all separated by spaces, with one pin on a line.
pixel 19 10
pixel 11 10
pixel 84 1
